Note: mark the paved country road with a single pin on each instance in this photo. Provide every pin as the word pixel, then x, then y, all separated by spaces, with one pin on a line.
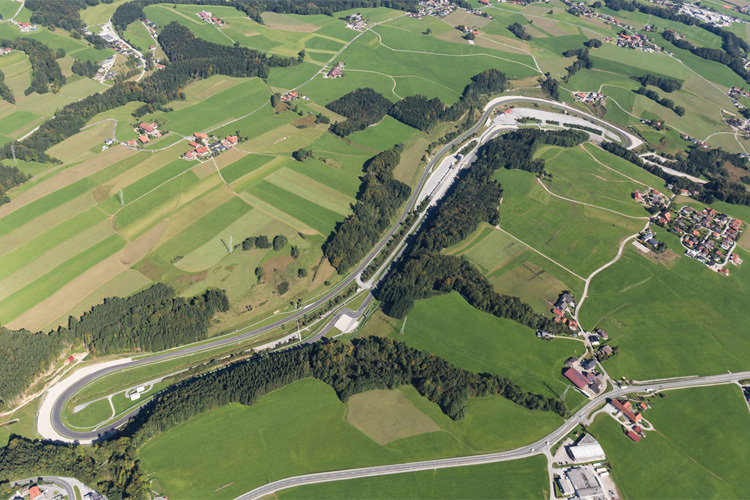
pixel 537 448
pixel 50 424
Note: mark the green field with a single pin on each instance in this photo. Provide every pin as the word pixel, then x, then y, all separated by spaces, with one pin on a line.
pixel 449 327
pixel 302 428
pixel 578 237
pixel 702 457
pixel 677 309
pixel 519 479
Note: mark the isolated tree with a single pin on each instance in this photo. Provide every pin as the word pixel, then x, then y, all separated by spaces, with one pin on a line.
pixel 283 288
pixel 294 252
pixel 279 242
pixel 259 273
pixel 428 31
pixel 302 272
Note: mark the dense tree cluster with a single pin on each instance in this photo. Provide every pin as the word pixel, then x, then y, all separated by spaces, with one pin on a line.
pixel 85 68
pixel 520 32
pixel 666 84
pixel 582 61
pixel 193 58
pixel 424 271
pixel 151 320
pixel 58 13
pixel 593 43
pixel 378 200
pixel 5 93
pixel 10 177
pixel 302 154
pixel 666 102
pixel 362 107
pixel 550 86
pixel 45 70
pixel 111 468
pixel 417 111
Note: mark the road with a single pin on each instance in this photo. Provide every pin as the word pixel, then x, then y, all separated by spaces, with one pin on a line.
pixel 60 481
pixel 50 423
pixel 537 448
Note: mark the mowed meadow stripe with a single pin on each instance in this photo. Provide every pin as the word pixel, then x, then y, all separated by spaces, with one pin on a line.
pixel 48 284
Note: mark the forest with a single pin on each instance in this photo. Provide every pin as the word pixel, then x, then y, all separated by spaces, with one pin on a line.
pixel 5 94
pixel 10 177
pixel 666 84
pixel 474 198
pixel 152 320
pixel 193 58
pixel 378 200
pixel 59 13
pixel 417 111
pixel 85 68
pixel 362 107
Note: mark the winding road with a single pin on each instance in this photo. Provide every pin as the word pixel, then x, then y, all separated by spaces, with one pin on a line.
pixel 537 448
pixel 50 423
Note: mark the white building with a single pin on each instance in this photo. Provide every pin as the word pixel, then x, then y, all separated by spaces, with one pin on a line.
pixel 587 449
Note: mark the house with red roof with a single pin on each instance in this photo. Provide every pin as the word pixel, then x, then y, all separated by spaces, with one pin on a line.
pixel 625 409
pixel 232 139
pixel 35 492
pixel 202 151
pixel 193 144
pixel 132 142
pixel 144 139
pixel 147 127
pixel 635 437
pixel 191 155
pixel 576 377
pixel 557 312
pixel 200 136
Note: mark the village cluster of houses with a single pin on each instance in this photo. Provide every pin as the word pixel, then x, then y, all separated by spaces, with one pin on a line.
pixel 336 72
pixel 564 306
pixel 708 236
pixel 583 10
pixel 435 8
pixel 638 41
pixel 357 22
pixel 590 97
pixel 117 44
pixel 203 145
pixel 292 95
pixel 105 72
pixel 210 18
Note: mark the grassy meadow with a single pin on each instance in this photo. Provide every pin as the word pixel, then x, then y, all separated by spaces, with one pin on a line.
pixel 303 428
pixel 701 457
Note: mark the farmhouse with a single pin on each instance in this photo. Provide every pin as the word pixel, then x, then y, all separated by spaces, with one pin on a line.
pixel 144 139
pixel 576 377
pixel 147 127
pixel 336 71
pixel 625 409
pixel 200 136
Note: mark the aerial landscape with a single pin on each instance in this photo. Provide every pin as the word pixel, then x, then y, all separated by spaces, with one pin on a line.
pixel 354 249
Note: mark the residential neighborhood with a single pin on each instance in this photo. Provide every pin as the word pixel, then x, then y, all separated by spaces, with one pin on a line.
pixel 210 18
pixel 589 97
pixel 708 236
pixel 435 8
pixel 204 145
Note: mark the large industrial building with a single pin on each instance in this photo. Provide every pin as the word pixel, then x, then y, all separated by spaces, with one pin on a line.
pixel 587 449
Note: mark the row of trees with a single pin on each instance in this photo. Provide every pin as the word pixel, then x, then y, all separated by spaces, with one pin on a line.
pixel 666 102
pixel 5 93
pixel 362 107
pixel 378 200
pixel 424 271
pixel 10 177
pixel 193 58
pixel 520 32
pixel 151 320
pixel 279 242
pixel 666 84
pixel 582 61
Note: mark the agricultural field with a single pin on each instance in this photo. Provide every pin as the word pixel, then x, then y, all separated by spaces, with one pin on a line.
pixel 519 479
pixel 701 457
pixel 304 428
pixel 578 237
pixel 678 307
pixel 452 329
